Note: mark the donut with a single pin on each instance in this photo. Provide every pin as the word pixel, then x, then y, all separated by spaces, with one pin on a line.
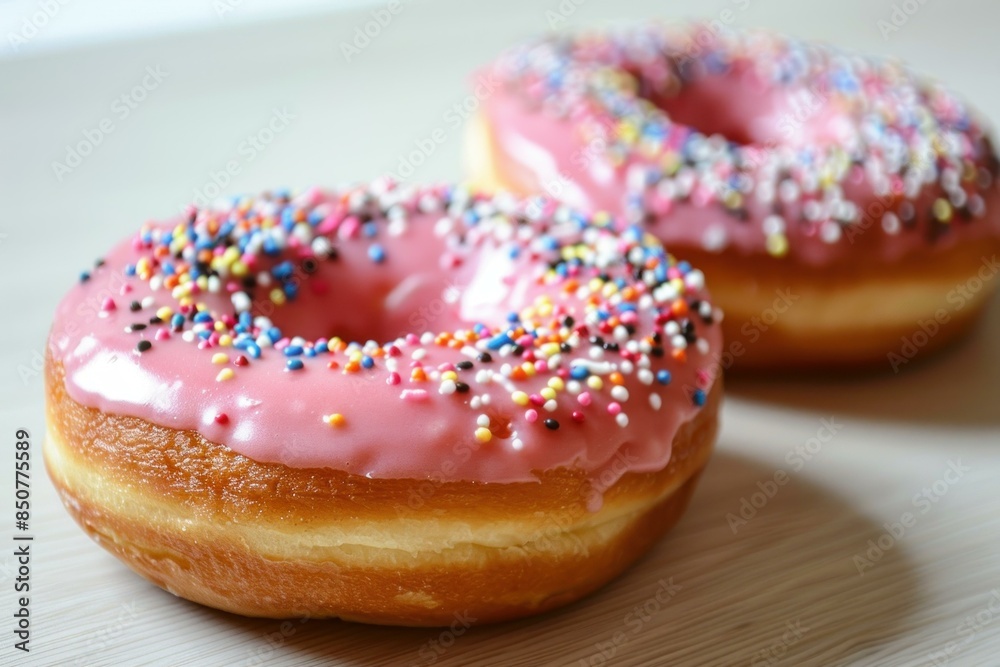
pixel 841 205
pixel 396 405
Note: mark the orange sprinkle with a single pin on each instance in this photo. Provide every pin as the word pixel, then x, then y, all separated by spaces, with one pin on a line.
pixel 616 378
pixel 679 354
pixel 679 308
pixel 418 375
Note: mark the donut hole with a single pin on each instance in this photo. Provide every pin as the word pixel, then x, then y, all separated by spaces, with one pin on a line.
pixel 737 105
pixel 351 298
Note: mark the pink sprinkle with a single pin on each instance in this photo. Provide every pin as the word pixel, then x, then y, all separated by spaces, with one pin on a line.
pixel 412 339
pixel 125 289
pixel 536 399
pixel 222 419
pixel 349 227
pixel 108 304
pixel 614 408
pixel 578 416
pixel 162 334
pixel 542 366
pixel 531 416
pixel 584 399
pixel 394 378
pixel 445 367
pixel 629 317
pixel 413 395
pixel 394 351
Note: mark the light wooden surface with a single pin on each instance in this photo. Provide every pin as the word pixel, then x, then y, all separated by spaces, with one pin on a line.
pixel 783 590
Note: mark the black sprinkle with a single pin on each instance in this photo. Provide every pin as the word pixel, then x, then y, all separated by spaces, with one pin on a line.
pixel 568 322
pixel 99 263
pixel 144 346
pixel 138 326
pixel 461 387
pixel 84 277
pixel 551 424
pixel 565 347
pixel 155 320
pixel 485 357
pixel 464 365
pixel 134 306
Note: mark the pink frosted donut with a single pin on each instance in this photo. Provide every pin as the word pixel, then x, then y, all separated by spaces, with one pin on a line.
pixel 385 404
pixel 835 201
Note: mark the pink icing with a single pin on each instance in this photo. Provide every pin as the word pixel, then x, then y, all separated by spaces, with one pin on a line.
pixel 805 152
pixel 438 275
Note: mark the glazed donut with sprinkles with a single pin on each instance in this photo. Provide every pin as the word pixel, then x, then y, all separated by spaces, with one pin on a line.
pixel 777 166
pixel 382 403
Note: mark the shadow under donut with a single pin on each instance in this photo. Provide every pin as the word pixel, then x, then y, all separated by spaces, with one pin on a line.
pixel 781 585
pixel 958 385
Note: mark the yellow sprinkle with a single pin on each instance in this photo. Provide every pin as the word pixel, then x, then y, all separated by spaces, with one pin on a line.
pixel 164 313
pixel 777 245
pixel 942 210
pixel 220 325
pixel 239 269
pixel 220 358
pixel 548 393
pixel 557 383
pixel 277 296
pixel 225 374
pixel 528 368
pixel 519 397
pixel 225 340
pixel 595 382
pixel 483 434
pixel 336 419
pixel 449 375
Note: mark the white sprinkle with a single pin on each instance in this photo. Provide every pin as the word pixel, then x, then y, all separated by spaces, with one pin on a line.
pixel 517 444
pixel 550 405
pixel 483 420
pixel 447 387
pixel 622 419
pixel 619 393
pixel 645 376
pixel 655 401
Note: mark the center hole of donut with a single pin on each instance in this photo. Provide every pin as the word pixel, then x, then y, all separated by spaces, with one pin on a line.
pixel 349 300
pixel 741 108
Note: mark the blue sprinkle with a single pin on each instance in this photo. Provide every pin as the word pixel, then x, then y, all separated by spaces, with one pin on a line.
pixel 293 350
pixel 663 377
pixel 130 269
pixel 177 321
pixel 376 253
pixel 512 317
pixel 309 352
pixel 84 276
pixel 253 349
pixel 698 397
pixel 294 364
pixel 367 362
pixel 369 229
pixel 321 346
pixel 203 317
pixel 291 291
pixel 499 341
pixel 684 267
pixel 274 333
pixel 579 372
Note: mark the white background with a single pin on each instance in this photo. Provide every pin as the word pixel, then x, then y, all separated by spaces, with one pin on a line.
pixel 225 76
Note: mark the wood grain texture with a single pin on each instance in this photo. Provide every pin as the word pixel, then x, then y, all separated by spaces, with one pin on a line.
pixel 733 594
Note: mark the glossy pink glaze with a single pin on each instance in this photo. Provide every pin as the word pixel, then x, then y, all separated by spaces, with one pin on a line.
pixel 428 282
pixel 557 140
